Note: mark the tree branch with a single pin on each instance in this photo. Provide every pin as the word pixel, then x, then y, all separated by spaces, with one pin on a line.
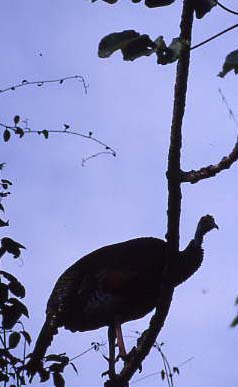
pixel 214 37
pixel 146 341
pixel 227 9
pixel 41 83
pixel 211 170
pixel 21 132
pixel 174 197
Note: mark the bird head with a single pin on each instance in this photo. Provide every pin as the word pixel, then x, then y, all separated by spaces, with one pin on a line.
pixel 205 224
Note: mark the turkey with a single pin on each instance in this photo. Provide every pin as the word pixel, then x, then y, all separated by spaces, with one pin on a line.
pixel 115 284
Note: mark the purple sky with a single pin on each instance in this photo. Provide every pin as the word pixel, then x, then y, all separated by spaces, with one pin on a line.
pixel 60 211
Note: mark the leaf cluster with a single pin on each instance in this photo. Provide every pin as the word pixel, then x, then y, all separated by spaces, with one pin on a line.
pixel 13 336
pixel 133 45
pixel 53 367
pixel 201 7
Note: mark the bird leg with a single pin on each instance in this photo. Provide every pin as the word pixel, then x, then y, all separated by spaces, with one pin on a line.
pixel 111 340
pixel 120 341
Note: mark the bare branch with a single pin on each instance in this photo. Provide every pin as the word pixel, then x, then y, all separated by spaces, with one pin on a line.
pixel 229 109
pixel 174 184
pixel 214 37
pixel 226 9
pixel 86 159
pixel 27 130
pixel 147 340
pixel 225 163
pixel 41 83
pixel 211 170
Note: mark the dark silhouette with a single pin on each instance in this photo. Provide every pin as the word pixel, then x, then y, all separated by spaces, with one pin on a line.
pixel 115 284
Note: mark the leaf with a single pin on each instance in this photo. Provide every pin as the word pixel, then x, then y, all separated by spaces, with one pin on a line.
pixel 6 181
pixel 45 133
pixel 66 126
pixel 11 246
pixel 74 367
pixel 4 224
pixel 53 357
pixel 176 370
pixel 3 377
pixel 231 63
pixel 61 81
pixel 20 131
pixel 3 293
pixel 12 359
pixel 2 165
pixel 158 3
pixel 24 81
pixel 26 336
pixel 3 362
pixel 44 375
pixel 131 43
pixel 234 322
pixel 56 367
pixel 162 374
pixel 115 41
pixel 202 7
pixel 171 53
pixel 14 339
pixel 10 316
pixel 17 289
pixel 8 276
pixel 4 194
pixel 19 306
pixel 16 119
pixel 141 46
pixel 6 135
pixel 58 380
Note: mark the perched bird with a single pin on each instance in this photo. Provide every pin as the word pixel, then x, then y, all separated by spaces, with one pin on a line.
pixel 115 284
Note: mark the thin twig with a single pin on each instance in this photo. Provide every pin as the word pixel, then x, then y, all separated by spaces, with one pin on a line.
pixel 214 37
pixel 85 159
pixel 82 353
pixel 225 163
pixel 168 371
pixel 88 350
pixel 159 372
pixel 5 347
pixel 108 150
pixel 227 9
pixel 41 83
pixel 230 111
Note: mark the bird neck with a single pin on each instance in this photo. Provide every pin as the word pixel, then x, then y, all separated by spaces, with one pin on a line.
pixel 198 238
pixel 188 262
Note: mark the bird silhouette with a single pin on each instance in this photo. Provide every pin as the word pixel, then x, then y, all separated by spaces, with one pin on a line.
pixel 113 285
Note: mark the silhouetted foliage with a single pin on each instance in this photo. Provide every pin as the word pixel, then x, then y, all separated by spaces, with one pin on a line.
pixel 13 311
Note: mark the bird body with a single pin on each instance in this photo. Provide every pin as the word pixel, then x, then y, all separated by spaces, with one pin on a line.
pixel 115 284
pixel 117 281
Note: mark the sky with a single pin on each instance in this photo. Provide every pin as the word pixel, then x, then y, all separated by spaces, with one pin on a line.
pixel 60 210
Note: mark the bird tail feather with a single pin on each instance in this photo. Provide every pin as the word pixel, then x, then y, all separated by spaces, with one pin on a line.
pixel 44 340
